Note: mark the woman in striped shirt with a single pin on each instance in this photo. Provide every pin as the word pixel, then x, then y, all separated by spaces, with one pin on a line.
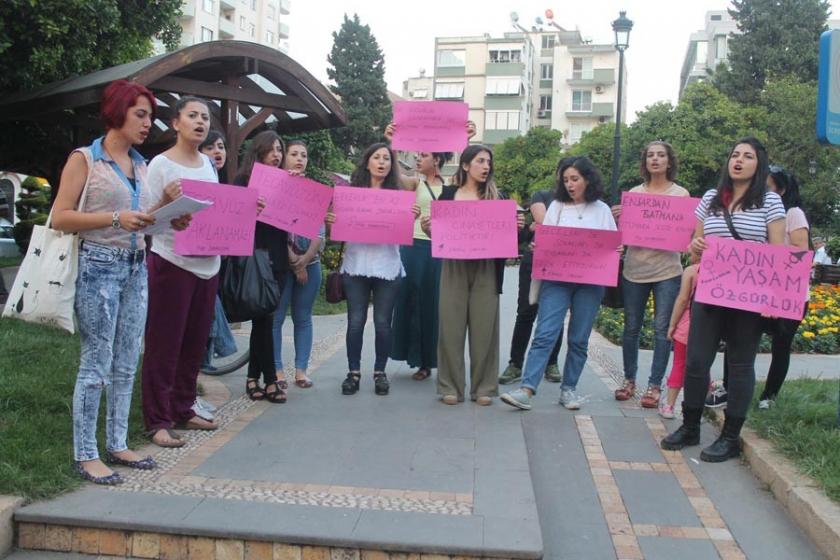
pixel 742 208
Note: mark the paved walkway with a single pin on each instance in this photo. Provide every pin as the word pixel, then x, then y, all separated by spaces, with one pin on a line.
pixel 405 472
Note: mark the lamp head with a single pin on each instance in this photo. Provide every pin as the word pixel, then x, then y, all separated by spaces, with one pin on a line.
pixel 622 27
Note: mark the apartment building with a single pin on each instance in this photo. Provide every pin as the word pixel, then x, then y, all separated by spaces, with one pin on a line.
pixel 551 78
pixel 707 48
pixel 258 21
pixel 419 88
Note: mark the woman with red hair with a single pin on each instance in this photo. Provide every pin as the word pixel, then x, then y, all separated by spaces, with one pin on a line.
pixel 104 197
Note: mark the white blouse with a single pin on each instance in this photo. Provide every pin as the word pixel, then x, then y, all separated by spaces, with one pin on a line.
pixel 375 261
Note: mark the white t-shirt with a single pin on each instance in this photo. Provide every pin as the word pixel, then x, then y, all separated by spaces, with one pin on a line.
pixel 163 171
pixel 373 260
pixel 590 215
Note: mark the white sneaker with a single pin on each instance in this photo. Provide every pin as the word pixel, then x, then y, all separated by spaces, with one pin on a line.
pixel 765 404
pixel 569 399
pixel 205 405
pixel 202 412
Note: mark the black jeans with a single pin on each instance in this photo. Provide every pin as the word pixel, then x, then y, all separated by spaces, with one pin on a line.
pixel 526 314
pixel 781 333
pixel 358 290
pixel 741 330
pixel 262 350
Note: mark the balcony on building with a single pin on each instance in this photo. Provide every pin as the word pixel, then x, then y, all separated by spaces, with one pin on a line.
pixel 597 110
pixel 227 5
pixel 283 30
pixel 285 7
pixel 188 10
pixel 227 29
pixel 504 68
pixel 493 137
pixel 598 77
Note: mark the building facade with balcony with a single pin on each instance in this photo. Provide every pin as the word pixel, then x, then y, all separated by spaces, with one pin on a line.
pixel 419 88
pixel 707 48
pixel 550 78
pixel 257 21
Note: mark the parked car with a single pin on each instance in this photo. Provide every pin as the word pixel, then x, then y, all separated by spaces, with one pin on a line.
pixel 8 247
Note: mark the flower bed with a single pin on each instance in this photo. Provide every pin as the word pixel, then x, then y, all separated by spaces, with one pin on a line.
pixel 819 333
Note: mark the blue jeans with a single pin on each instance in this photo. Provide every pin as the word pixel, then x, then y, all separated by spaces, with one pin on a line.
pixel 111 298
pixel 358 289
pixel 635 299
pixel 221 342
pixel 302 298
pixel 556 298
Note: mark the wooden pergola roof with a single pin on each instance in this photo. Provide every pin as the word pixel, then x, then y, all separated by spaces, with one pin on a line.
pixel 250 86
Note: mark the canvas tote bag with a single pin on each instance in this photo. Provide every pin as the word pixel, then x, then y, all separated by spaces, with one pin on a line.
pixel 44 291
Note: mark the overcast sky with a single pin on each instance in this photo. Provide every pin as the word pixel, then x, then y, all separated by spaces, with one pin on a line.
pixel 406 33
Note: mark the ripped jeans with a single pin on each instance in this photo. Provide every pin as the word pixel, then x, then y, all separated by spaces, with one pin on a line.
pixel 111 297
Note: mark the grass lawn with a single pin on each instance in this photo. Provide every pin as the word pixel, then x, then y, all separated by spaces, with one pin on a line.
pixel 10 261
pixel 38 367
pixel 803 426
pixel 321 306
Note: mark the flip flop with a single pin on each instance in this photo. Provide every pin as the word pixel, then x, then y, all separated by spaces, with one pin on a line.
pixel 175 439
pixel 304 383
pixel 421 374
pixel 192 424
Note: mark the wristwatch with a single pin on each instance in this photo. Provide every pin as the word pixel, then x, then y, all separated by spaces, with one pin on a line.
pixel 115 220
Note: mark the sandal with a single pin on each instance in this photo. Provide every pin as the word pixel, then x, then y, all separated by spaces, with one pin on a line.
pixel 253 390
pixel 170 439
pixel 197 423
pixel 380 383
pixel 303 383
pixel 350 385
pixel 651 397
pixel 421 374
pixel 277 396
pixel 627 391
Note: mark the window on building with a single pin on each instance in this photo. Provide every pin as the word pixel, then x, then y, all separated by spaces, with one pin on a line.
pixel 505 56
pixel 503 86
pixel 582 68
pixel 208 6
pixel 548 41
pixel 546 71
pixel 545 103
pixel 720 47
pixel 501 120
pixel 253 4
pixel 702 53
pixel 716 18
pixel 252 30
pixel 242 23
pixel 450 58
pixel 206 34
pixel 581 100
pixel 420 93
pixel 576 131
pixel 271 13
pixel 449 90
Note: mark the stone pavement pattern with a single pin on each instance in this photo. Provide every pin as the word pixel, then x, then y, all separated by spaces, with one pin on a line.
pixel 350 476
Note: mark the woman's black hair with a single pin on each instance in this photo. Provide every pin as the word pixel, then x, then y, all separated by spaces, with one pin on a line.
pixel 260 145
pixel 594 184
pixel 212 136
pixel 788 187
pixel 361 175
pixel 754 197
pixel 488 189
pixel 441 158
pixel 182 102
pixel 296 142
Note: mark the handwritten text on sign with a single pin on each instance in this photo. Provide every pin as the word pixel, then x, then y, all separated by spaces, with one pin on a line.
pixel 226 228
pixel 657 221
pixel 365 215
pixel 294 204
pixel 474 229
pixel 430 126
pixel 768 279
pixel 584 256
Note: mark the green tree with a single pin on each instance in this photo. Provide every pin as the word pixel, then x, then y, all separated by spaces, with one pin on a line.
pixel 357 67
pixel 324 156
pixel 525 164
pixel 42 41
pixel 778 38
pixel 598 145
pixel 32 209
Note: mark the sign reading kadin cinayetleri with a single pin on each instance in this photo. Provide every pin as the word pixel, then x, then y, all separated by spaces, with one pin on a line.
pixel 657 221
pixel 767 279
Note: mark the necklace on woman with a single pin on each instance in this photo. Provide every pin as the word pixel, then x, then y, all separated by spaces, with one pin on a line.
pixel 580 212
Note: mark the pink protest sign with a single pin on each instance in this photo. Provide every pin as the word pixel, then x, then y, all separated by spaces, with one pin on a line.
pixel 657 221
pixel 226 228
pixel 430 126
pixel 365 215
pixel 294 204
pixel 581 255
pixel 474 229
pixel 768 279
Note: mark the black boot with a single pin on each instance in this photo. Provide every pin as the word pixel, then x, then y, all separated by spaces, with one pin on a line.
pixel 380 383
pixel 687 434
pixel 350 386
pixel 726 446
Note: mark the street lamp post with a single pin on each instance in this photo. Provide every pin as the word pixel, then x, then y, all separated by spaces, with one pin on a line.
pixel 622 27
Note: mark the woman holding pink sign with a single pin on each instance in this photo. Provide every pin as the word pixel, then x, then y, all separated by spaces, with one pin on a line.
pixel 367 270
pixel 577 204
pixel 469 295
pixel 739 208
pixel 649 271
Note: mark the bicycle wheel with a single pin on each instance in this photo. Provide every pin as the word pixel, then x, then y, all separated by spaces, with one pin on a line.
pixel 224 365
